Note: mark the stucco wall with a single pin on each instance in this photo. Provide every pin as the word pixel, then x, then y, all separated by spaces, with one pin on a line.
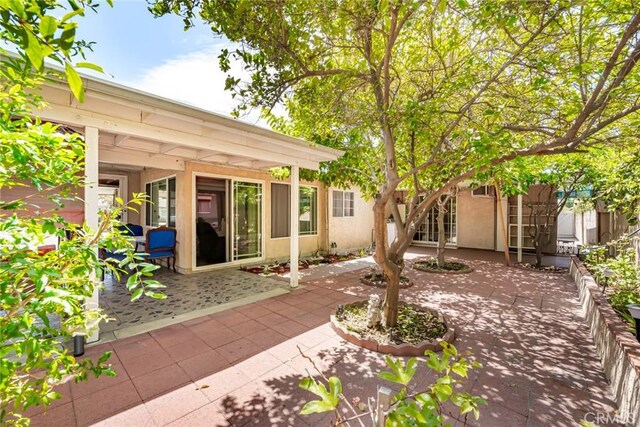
pixel 37 205
pixel 351 232
pixel 275 249
pixel 476 220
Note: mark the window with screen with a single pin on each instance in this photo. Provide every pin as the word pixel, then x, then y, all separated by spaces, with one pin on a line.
pixel 281 210
pixel 161 205
pixel 343 203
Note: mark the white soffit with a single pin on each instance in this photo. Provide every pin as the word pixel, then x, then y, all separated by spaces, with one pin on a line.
pixel 157 129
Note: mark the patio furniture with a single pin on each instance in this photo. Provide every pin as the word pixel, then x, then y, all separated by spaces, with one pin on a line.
pixel 161 243
pixel 135 229
pixel 211 247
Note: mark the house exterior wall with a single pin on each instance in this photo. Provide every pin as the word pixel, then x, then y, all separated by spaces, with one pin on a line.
pixel 476 220
pixel 274 249
pixel 351 232
pixel 73 210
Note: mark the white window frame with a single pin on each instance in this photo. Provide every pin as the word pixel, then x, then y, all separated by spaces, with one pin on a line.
pixel 123 191
pixel 344 207
pixel 315 234
pixel 227 264
pixel 146 205
pixel 430 222
pixel 488 191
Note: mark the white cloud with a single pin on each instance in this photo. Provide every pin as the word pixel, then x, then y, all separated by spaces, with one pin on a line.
pixel 194 79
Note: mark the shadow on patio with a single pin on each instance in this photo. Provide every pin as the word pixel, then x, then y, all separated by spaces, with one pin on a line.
pixel 242 366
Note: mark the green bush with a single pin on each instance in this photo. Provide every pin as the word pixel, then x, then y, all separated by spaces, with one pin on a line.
pixel 407 407
pixel 42 295
pixel 623 287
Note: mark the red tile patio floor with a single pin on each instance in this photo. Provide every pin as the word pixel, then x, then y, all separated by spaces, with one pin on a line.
pixel 242 366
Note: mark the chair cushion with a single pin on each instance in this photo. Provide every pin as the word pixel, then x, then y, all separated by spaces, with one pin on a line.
pixel 160 254
pixel 113 256
pixel 136 230
pixel 123 229
pixel 159 238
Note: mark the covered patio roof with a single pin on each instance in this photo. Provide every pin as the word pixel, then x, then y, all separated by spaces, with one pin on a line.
pixel 140 129
pixel 130 128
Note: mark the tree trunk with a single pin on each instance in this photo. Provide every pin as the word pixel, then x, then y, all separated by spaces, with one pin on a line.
pixel 391 298
pixel 442 237
pixel 539 243
pixel 539 256
pixel 388 262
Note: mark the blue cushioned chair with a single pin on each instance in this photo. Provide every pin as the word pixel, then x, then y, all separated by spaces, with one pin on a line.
pixel 135 229
pixel 125 230
pixel 161 243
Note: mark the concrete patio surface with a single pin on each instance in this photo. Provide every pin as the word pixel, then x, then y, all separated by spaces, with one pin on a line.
pixel 242 366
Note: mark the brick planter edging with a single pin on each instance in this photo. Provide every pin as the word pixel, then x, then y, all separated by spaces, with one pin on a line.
pixel 396 349
pixel 619 351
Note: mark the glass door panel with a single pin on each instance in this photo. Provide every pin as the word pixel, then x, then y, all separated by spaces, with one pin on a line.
pixel 247 220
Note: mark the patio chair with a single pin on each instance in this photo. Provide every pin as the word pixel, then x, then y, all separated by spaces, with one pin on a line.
pixel 161 243
pixel 211 247
pixel 135 229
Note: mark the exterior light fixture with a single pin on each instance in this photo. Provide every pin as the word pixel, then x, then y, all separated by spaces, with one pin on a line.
pixel 78 345
pixel 607 273
pixel 634 309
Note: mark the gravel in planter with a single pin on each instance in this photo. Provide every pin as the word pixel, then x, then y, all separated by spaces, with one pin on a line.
pixel 545 268
pixel 377 279
pixel 415 326
pixel 431 265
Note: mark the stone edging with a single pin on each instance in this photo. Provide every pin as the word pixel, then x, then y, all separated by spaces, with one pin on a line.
pixel 365 281
pixel 396 349
pixel 619 351
pixel 535 270
pixel 469 269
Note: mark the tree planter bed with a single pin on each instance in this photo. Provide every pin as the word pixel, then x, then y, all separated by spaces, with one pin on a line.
pixel 543 269
pixel 451 267
pixel 396 349
pixel 618 349
pixel 376 279
pixel 283 267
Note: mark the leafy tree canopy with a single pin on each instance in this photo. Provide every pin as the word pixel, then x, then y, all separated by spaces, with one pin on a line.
pixel 423 95
pixel 43 295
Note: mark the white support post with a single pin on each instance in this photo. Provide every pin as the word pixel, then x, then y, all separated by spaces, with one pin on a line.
pixel 295 216
pixel 520 228
pixel 91 203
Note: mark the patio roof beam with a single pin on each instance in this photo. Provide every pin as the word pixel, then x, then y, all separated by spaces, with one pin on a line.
pixel 259 164
pixel 133 158
pixel 120 139
pixel 132 98
pixel 165 148
pixel 254 150
pixel 212 157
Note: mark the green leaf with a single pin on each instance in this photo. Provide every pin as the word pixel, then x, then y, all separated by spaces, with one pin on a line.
pixel 136 294
pixel 48 26
pixel 329 397
pixel 99 69
pixel 34 51
pixel 75 82
pixel 316 406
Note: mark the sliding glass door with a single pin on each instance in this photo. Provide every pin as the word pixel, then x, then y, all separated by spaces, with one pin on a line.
pixel 247 220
